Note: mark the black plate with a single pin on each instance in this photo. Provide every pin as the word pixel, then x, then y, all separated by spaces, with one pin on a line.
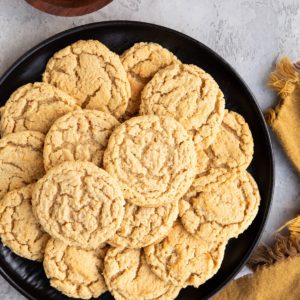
pixel 28 277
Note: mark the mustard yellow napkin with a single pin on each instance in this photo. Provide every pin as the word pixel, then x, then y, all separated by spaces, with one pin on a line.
pixel 284 119
pixel 277 270
pixel 280 281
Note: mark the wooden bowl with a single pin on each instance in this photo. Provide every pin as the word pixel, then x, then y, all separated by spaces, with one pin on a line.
pixel 68 8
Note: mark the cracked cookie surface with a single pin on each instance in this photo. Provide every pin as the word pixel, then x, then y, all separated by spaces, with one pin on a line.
pixel 1 111
pixel 188 94
pixel 232 149
pixel 79 204
pixel 129 277
pixel 143 226
pixel 74 271
pixel 223 211
pixel 21 160
pixel 153 158
pixel 19 228
pixel 141 62
pixel 79 135
pixel 92 74
pixel 183 259
pixel 35 107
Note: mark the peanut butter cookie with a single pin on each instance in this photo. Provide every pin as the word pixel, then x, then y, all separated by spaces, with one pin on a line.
pixel 143 226
pixel 21 160
pixel 223 211
pixel 74 271
pixel 35 107
pixel 191 96
pixel 92 74
pixel 183 259
pixel 79 135
pixel 129 277
pixel 153 158
pixel 232 149
pixel 19 228
pixel 1 111
pixel 79 204
pixel 141 62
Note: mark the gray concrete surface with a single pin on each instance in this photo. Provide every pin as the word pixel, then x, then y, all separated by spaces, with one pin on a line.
pixel 249 34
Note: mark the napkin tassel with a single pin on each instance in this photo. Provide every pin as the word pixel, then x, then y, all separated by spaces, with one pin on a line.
pixel 283 248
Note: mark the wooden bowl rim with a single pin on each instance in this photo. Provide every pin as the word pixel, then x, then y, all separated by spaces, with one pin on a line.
pixel 63 9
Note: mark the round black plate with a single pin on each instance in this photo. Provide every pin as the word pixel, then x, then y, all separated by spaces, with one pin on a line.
pixel 28 277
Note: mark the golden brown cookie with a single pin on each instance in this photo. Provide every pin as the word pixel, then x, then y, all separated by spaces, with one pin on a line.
pixel 21 160
pixel 35 107
pixel 74 271
pixel 79 204
pixel 183 259
pixel 232 149
pixel 129 277
pixel 79 135
pixel 221 211
pixel 1 111
pixel 143 226
pixel 19 228
pixel 92 74
pixel 153 158
pixel 188 94
pixel 141 62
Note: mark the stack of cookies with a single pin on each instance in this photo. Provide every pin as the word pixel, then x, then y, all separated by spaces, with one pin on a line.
pixel 124 174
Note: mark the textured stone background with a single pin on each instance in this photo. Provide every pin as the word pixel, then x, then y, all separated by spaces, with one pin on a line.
pixel 249 34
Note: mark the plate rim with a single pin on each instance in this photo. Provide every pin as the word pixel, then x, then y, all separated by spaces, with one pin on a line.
pixel 19 287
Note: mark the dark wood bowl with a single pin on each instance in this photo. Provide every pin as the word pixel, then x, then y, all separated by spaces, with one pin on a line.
pixel 68 8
